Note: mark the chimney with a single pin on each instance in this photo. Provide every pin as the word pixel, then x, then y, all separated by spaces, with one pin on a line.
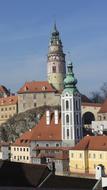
pixel 56 116
pixel 48 117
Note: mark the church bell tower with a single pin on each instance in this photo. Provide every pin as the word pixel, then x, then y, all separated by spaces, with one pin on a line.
pixel 56 61
pixel 71 110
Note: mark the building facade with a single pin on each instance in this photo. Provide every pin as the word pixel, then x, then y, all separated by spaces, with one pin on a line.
pixel 8 108
pixel 90 152
pixel 35 94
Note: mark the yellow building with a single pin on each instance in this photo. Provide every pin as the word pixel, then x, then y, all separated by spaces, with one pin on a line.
pixel 8 107
pixel 87 154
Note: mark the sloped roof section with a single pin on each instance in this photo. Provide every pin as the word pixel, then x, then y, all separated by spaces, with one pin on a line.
pixel 92 143
pixel 103 107
pixel 10 100
pixel 42 131
pixel 36 86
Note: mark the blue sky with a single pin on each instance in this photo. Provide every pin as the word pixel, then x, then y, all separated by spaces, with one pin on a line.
pixel 25 28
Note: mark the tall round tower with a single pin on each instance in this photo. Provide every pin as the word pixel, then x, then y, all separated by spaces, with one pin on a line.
pixel 56 61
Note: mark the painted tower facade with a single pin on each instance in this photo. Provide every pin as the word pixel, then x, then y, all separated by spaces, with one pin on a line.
pixel 71 110
pixel 56 61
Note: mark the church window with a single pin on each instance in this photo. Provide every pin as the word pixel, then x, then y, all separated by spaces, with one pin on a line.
pixel 77 119
pixel 67 133
pixel 54 69
pixel 77 133
pixel 67 118
pixel 67 104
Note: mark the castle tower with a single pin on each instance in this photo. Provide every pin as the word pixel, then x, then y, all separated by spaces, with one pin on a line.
pixel 71 110
pixel 56 61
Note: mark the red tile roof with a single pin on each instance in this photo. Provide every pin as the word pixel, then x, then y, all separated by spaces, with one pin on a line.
pixel 22 143
pixel 91 104
pixel 10 100
pixel 36 86
pixel 103 107
pixel 92 143
pixel 42 131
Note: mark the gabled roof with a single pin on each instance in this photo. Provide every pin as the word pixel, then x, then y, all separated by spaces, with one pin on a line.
pixel 10 100
pixel 42 131
pixel 103 107
pixel 36 86
pixel 92 143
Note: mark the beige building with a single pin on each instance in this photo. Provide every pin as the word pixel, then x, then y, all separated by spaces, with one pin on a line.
pixel 8 108
pixel 35 94
pixel 20 151
pixel 87 154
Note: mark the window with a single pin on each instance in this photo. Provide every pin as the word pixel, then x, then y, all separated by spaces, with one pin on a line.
pixel 93 155
pixel 23 157
pixel 20 149
pixel 2 109
pixel 67 133
pixel 67 118
pixel 5 109
pixel 89 155
pixel 47 145
pixel 76 166
pixel 34 96
pixel 67 104
pixel 27 158
pixel 34 104
pixel 80 155
pixel 24 105
pixel 57 145
pixel 23 149
pixel 72 155
pixel 17 149
pixel 10 108
pixel 14 157
pixel 14 149
pixel 94 166
pixel 77 119
pixel 20 157
pixel 27 149
pixel 100 156
pixel 54 69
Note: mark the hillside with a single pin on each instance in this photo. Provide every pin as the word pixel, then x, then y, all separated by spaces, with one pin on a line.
pixel 22 122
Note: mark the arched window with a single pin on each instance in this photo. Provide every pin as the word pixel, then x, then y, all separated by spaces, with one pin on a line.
pixel 67 118
pixel 67 104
